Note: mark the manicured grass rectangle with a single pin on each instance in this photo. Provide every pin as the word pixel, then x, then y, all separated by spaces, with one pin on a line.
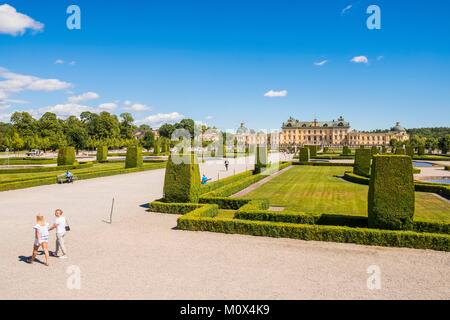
pixel 317 190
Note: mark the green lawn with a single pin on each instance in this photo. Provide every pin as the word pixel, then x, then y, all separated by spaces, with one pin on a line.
pixel 317 190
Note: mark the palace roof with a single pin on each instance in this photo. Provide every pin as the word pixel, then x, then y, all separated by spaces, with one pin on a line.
pixel 294 123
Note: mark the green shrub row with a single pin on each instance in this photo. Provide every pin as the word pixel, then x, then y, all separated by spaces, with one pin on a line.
pixel 332 220
pixel 441 189
pixel 307 232
pixel 24 183
pixel 256 204
pixel 224 202
pixel 334 157
pixel 172 207
pixel 46 169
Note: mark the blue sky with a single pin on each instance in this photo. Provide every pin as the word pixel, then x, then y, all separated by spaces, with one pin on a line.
pixel 215 60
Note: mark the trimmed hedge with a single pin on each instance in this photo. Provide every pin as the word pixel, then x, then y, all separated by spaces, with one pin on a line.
pixel 317 232
pixel 351 177
pixel 102 154
pixel 51 179
pixel 304 155
pixel 134 157
pixel 173 208
pixel 391 193
pixel 329 219
pixel 225 202
pixel 363 158
pixel 66 156
pixel 46 169
pixel 234 187
pixel 182 180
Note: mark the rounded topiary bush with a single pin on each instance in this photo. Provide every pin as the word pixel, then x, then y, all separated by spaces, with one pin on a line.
pixel 391 193
pixel 66 156
pixel 102 154
pixel 304 155
pixel 134 157
pixel 262 158
pixel 363 159
pixel 182 179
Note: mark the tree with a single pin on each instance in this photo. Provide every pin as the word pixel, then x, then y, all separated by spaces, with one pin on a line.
pixel 444 144
pixel 148 141
pixel 187 124
pixel 23 123
pixel 76 133
pixel 166 130
pixel 126 125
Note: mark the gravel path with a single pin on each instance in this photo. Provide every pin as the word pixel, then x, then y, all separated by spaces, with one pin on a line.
pixel 141 256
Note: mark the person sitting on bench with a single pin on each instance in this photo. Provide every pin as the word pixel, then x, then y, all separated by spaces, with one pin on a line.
pixel 69 177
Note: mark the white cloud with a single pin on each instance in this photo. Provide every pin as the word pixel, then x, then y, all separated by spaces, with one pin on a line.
pixel 14 83
pixel 159 119
pixel 360 59
pixel 72 63
pixel 347 9
pixel 108 106
pixel 138 107
pixel 209 117
pixel 276 94
pixel 321 63
pixel 84 97
pixel 5 117
pixel 15 23
pixel 59 61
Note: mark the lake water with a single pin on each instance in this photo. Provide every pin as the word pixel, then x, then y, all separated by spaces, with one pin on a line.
pixel 420 164
pixel 443 181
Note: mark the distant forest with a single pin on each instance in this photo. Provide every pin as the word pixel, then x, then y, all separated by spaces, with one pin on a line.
pixel 437 133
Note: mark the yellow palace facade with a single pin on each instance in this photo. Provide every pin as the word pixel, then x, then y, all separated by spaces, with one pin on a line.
pixel 335 133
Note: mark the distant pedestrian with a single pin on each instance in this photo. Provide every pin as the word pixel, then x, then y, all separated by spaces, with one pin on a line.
pixel 40 238
pixel 60 225
pixel 205 179
pixel 226 164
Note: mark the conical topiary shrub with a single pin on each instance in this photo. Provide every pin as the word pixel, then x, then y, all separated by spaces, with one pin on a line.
pixel 157 148
pixel 182 179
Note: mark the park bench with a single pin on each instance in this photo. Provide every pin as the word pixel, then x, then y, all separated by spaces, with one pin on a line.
pixel 62 179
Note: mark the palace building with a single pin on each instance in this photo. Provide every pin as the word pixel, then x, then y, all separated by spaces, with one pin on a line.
pixel 335 133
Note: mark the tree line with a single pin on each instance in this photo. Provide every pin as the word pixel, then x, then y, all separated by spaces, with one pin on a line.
pixel 86 132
